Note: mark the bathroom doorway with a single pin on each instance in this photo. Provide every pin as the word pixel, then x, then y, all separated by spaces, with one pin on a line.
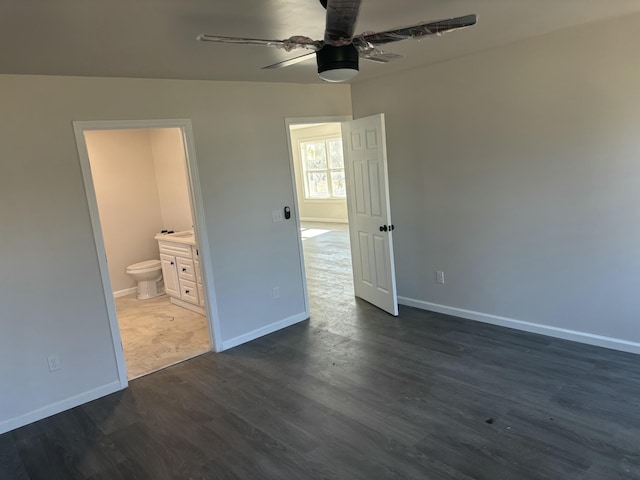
pixel 141 183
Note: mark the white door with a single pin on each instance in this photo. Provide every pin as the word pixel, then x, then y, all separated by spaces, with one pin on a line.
pixel 370 223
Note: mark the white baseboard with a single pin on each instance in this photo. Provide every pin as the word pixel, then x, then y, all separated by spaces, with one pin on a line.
pixel 260 332
pixel 324 220
pixel 58 407
pixel 563 333
pixel 125 292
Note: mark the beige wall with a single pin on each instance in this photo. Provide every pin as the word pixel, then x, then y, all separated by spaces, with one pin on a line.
pixel 124 178
pixel 170 164
pixel 334 210
pixel 51 295
pixel 516 172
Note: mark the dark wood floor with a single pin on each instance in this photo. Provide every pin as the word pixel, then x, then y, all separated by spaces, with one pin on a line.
pixel 356 394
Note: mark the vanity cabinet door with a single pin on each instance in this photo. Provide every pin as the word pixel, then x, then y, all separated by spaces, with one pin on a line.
pixel 170 275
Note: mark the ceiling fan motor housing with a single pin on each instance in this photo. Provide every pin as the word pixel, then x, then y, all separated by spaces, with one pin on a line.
pixel 333 58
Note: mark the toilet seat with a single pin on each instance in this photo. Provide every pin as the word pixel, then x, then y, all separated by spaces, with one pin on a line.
pixel 146 265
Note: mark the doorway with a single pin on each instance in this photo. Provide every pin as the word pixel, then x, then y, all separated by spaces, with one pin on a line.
pixel 317 164
pixel 346 160
pixel 139 180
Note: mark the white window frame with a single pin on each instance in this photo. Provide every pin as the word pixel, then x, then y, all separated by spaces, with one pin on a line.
pixel 304 170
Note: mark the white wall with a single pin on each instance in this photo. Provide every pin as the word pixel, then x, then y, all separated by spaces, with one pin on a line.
pixel 124 178
pixel 50 290
pixel 330 210
pixel 516 172
pixel 170 166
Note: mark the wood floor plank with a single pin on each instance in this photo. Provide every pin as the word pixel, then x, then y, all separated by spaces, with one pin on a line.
pixel 11 465
pixel 72 442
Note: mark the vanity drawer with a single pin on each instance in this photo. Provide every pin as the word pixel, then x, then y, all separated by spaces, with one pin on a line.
pixel 189 291
pixel 186 270
pixel 177 249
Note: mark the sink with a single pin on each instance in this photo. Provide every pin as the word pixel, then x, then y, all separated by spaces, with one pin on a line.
pixel 186 236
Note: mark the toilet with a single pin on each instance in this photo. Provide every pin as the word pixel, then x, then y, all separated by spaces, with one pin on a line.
pixel 148 274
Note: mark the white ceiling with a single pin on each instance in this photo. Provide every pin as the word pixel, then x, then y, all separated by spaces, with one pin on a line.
pixel 156 38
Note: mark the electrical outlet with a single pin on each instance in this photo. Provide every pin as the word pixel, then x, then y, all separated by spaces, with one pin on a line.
pixel 278 216
pixel 54 363
pixel 440 277
pixel 276 292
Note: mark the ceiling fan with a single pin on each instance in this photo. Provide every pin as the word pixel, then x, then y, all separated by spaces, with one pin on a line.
pixel 337 54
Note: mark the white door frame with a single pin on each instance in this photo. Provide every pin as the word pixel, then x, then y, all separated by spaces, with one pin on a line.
pixel 197 209
pixel 303 121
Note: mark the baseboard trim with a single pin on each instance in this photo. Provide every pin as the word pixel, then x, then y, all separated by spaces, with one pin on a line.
pixel 324 220
pixel 260 332
pixel 125 292
pixel 556 332
pixel 61 406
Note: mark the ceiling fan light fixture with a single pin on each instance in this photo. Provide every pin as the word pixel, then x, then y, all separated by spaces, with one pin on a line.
pixel 337 64
pixel 338 75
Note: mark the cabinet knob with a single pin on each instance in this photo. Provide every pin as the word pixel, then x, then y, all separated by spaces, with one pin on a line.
pixel 184 269
pixel 172 263
pixel 186 291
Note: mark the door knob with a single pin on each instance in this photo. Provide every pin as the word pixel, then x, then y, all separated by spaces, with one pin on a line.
pixel 383 228
pixel 392 227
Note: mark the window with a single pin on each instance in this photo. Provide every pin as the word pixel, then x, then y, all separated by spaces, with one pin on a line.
pixel 323 169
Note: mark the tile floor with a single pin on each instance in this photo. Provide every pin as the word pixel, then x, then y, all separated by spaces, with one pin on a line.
pixel 156 334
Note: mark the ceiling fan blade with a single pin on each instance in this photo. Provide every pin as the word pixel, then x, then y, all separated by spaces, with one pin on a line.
pixel 415 31
pixel 342 16
pixel 380 56
pixel 291 61
pixel 203 37
pixel 287 44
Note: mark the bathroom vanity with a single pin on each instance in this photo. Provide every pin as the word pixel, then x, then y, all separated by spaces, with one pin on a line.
pixel 181 270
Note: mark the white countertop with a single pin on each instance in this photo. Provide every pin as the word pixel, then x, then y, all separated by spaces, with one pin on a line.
pixel 186 236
